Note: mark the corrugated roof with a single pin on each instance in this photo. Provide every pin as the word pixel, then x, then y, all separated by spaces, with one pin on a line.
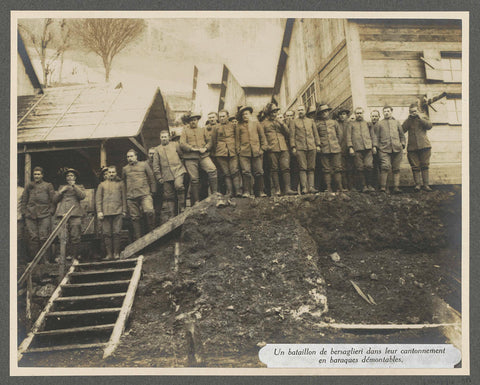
pixel 84 112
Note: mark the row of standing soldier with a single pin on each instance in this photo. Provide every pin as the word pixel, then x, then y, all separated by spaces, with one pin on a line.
pixel 345 148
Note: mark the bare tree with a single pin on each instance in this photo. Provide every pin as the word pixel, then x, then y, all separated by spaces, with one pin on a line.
pixel 48 45
pixel 107 37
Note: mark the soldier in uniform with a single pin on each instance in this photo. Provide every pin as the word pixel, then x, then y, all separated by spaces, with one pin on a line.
pixel 347 161
pixel 390 143
pixel 169 172
pixel 374 118
pixel 224 144
pixel 276 134
pixel 250 147
pixel 139 185
pixel 111 205
pixel 360 142
pixel 68 195
pixel 37 207
pixel 158 195
pixel 195 145
pixel 305 144
pixel 330 156
pixel 419 148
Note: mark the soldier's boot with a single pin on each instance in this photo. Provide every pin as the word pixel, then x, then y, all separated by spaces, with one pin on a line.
pixel 236 185
pixel 107 240
pixel 75 251
pixel 369 176
pixel 383 181
pixel 417 180
pixel 311 182
pixel 351 181
pixel 276 184
pixel 228 184
pixel 287 184
pixel 150 221
pixel 363 184
pixel 426 180
pixel 259 181
pixel 303 182
pixel 337 177
pixel 116 246
pixel 328 182
pixel 33 247
pixel 344 181
pixel 247 184
pixel 396 183
pixel 181 201
pixel 194 193
pixel 213 182
pixel 137 229
pixel 170 209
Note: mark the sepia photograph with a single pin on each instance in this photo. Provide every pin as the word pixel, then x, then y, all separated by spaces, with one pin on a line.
pixel 239 192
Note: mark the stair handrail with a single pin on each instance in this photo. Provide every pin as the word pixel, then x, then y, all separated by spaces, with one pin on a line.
pixel 31 266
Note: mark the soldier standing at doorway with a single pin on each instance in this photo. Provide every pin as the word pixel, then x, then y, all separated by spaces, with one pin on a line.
pixel 111 205
pixel 67 196
pixel 37 207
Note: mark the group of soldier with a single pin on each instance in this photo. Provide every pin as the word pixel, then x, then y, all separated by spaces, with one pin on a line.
pixel 229 154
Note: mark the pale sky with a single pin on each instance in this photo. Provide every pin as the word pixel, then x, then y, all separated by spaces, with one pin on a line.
pixel 169 49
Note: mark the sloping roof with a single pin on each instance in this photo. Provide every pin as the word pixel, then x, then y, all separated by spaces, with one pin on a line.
pixel 22 51
pixel 85 112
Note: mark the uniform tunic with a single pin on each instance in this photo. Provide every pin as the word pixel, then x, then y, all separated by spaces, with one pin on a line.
pixel 360 135
pixel 328 133
pixel 417 132
pixel 390 137
pixel 303 135
pixel 252 141
pixel 139 180
pixel 110 198
pixel 38 200
pixel 224 139
pixel 192 139
pixel 167 164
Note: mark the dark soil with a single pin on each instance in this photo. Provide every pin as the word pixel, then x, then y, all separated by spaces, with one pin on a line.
pixel 259 272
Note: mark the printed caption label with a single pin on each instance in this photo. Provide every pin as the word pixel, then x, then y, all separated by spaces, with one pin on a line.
pixel 359 356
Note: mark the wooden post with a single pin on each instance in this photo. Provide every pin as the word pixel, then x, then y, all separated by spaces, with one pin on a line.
pixel 103 155
pixel 176 255
pixel 355 65
pixel 29 301
pixel 63 250
pixel 28 168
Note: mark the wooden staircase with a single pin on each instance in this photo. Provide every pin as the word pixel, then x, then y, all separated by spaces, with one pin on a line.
pixel 88 309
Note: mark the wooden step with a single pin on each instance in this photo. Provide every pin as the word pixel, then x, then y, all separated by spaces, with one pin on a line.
pixel 118 263
pixel 111 262
pixel 75 330
pixel 87 284
pixel 89 297
pixel 93 272
pixel 66 347
pixel 83 312
pixel 92 288
pixel 101 275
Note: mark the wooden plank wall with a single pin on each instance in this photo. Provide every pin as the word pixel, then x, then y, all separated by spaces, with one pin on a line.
pixel 394 74
pixel 317 52
pixel 235 95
